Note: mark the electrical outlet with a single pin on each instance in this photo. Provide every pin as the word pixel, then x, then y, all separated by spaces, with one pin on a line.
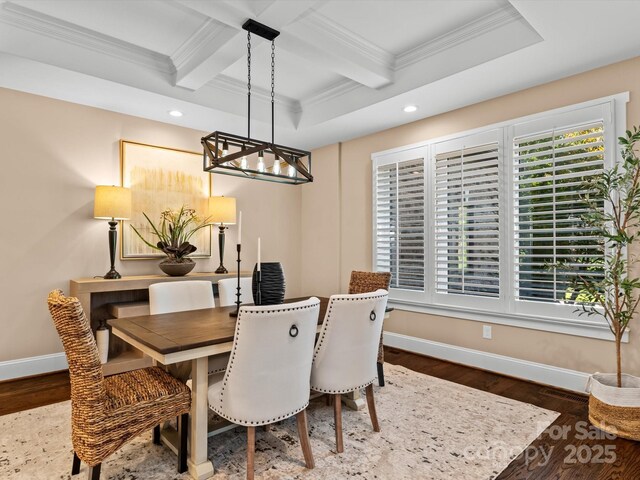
pixel 486 332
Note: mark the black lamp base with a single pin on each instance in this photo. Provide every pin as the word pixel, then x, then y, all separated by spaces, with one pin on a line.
pixel 112 275
pixel 113 235
pixel 221 229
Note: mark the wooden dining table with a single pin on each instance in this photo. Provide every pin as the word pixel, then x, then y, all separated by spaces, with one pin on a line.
pixel 190 336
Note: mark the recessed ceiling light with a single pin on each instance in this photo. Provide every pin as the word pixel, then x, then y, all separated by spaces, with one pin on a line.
pixel 410 109
pixel 175 113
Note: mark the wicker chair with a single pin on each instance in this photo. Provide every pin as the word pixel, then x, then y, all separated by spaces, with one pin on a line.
pixel 108 412
pixel 367 282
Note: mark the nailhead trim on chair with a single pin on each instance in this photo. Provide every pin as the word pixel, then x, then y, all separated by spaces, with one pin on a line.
pixel 257 423
pixel 325 327
pixel 327 319
pixel 349 390
pixel 240 421
pixel 365 282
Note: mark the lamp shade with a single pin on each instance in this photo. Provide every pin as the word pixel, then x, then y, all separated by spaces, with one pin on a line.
pixel 112 202
pixel 222 210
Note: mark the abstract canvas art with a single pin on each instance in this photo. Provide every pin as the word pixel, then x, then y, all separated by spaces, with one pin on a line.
pixel 161 178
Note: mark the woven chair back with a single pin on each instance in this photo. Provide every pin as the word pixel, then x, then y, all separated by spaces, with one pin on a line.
pixel 366 282
pixel 88 395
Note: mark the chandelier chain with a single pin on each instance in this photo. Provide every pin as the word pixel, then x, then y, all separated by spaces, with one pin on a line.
pixel 248 85
pixel 273 84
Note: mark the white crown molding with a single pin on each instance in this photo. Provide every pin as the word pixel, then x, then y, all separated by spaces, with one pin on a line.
pixel 207 32
pixel 237 87
pixel 346 37
pixel 42 24
pixel 417 54
pixel 334 90
pixel 455 37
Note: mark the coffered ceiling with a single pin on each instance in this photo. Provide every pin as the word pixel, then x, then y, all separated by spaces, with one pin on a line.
pixel 343 68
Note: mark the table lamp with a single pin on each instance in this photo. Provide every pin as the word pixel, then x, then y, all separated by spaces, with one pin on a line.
pixel 113 204
pixel 222 212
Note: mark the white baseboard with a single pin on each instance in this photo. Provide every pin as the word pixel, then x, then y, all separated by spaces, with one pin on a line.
pixel 25 367
pixel 535 372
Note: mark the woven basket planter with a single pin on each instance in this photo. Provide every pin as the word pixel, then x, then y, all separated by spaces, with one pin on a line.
pixel 612 409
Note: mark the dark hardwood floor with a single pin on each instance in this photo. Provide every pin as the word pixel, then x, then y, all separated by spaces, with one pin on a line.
pixel 555 455
pixel 32 392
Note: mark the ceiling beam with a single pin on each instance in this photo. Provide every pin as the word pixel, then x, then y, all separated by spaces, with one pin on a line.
pixel 335 48
pixel 219 51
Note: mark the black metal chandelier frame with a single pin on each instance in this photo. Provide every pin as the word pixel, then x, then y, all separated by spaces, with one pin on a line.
pixel 216 157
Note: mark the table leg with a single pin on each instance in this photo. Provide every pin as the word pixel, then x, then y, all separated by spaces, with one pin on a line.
pixel 200 467
pixel 353 400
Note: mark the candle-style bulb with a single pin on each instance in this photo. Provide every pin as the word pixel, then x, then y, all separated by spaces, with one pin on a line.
pixel 225 149
pixel 243 163
pixel 260 163
pixel 292 171
pixel 276 166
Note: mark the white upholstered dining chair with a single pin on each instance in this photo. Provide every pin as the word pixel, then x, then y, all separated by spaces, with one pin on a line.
pixel 169 297
pixel 267 379
pixel 227 289
pixel 345 355
pixel 181 296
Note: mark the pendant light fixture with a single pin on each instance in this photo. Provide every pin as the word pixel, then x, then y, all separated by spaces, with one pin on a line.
pixel 243 156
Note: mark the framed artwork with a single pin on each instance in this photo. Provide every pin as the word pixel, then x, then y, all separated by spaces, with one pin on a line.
pixel 161 178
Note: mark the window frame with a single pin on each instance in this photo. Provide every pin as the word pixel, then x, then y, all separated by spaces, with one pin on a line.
pixel 504 309
pixel 480 138
pixel 401 294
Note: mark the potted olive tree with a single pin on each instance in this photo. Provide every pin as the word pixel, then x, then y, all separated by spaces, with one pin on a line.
pixel 174 231
pixel 613 201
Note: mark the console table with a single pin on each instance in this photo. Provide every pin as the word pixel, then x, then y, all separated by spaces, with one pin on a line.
pixel 97 295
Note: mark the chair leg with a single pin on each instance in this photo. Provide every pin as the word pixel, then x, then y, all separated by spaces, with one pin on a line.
pixel 75 467
pixel 183 433
pixel 303 433
pixel 156 435
pixel 381 374
pixel 251 449
pixel 372 408
pixel 328 398
pixel 337 416
pixel 94 472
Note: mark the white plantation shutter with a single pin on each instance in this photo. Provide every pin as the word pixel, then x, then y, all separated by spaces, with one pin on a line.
pixel 488 225
pixel 467 233
pixel 549 171
pixel 399 217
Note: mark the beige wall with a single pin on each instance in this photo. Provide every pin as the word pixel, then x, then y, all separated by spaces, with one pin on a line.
pixel 354 234
pixel 53 154
pixel 321 224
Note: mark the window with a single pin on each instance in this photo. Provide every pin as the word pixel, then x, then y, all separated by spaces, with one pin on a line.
pixel 550 170
pixel 400 223
pixel 467 221
pixel 489 222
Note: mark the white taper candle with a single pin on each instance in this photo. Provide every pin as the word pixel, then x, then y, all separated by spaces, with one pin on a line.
pixel 258 253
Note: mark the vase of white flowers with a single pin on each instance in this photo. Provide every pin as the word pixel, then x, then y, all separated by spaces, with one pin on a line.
pixel 175 229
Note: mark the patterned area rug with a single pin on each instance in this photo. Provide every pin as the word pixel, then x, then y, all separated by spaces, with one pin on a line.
pixel 431 429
